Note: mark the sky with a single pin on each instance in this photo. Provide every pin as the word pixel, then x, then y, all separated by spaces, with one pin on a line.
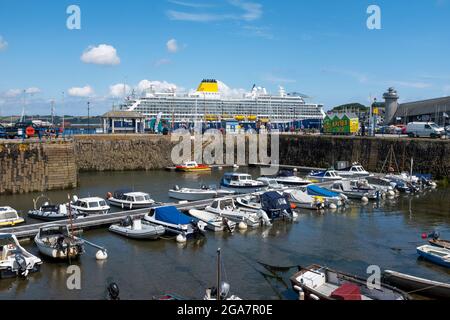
pixel 321 48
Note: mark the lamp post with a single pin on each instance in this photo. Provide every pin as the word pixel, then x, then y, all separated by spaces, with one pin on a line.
pixel 89 122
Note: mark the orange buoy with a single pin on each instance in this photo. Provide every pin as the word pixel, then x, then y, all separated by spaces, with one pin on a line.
pixel 293 206
pixel 30 131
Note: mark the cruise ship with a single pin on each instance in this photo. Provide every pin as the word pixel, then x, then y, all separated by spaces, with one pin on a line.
pixel 207 105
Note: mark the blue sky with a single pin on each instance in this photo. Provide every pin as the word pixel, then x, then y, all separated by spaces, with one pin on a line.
pixel 320 48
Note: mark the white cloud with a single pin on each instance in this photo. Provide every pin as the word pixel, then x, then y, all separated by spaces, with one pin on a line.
pixel 85 91
pixel 162 61
pixel 102 54
pixel 33 90
pixel 228 92
pixel 255 31
pixel 3 44
pixel 191 4
pixel 172 46
pixel 11 93
pixel 251 11
pixel 119 90
pixel 158 86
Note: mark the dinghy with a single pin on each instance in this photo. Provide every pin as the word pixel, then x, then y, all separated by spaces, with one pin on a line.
pixel 9 217
pixel 138 229
pixel 213 221
pixel 276 205
pixel 250 201
pixel 50 212
pixel 14 259
pixel 55 241
pixel 416 285
pixel 321 283
pixel 175 222
pixel 127 199
pixel 304 201
pixel 436 255
pixel 189 194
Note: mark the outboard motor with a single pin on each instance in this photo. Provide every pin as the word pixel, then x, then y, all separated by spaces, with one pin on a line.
pixel 435 235
pixel 60 243
pixel 21 265
pixel 127 222
pixel 224 290
pixel 176 187
pixel 113 291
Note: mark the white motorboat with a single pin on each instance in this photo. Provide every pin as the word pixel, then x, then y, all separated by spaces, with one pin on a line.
pixel 271 183
pixel 50 212
pixel 287 177
pixel 55 241
pixel 189 194
pixel 226 207
pixel 213 221
pixel 250 201
pixel 89 206
pixel 330 198
pixel 383 184
pixel 14 259
pixel 354 171
pixel 345 187
pixel 138 229
pixel 9 217
pixel 302 200
pixel 324 176
pixel 127 199
pixel 241 183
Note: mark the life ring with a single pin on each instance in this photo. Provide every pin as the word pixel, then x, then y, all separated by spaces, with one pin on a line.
pixel 30 131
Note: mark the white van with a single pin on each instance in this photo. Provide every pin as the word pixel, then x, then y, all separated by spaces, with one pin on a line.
pixel 424 129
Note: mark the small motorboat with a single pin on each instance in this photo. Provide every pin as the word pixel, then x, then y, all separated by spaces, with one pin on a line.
pixel 175 222
pixel 14 259
pixel 364 185
pixel 213 221
pixel 354 171
pixel 138 229
pixel 241 183
pixel 189 194
pixel 9 217
pixel 226 207
pixel 276 205
pixel 382 184
pixel 127 199
pixel 287 177
pixel 271 183
pixel 49 212
pixel 321 283
pixel 436 255
pixel 416 285
pixel 440 243
pixel 250 201
pixel 192 166
pixel 89 206
pixel 55 241
pixel 344 187
pixel 324 176
pixel 328 196
pixel 302 200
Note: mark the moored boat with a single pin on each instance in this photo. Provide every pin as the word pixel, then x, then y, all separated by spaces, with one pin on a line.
pixel 302 200
pixel 436 255
pixel 192 166
pixel 324 176
pixel 250 201
pixel 127 199
pixel 356 170
pixel 276 205
pixel 330 197
pixel 213 221
pixel 138 229
pixel 440 243
pixel 416 285
pixel 89 206
pixel 56 241
pixel 49 212
pixel 190 194
pixel 9 217
pixel 287 177
pixel 321 283
pixel 344 187
pixel 241 183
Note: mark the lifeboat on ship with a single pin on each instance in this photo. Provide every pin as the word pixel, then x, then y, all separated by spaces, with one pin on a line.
pixel 193 166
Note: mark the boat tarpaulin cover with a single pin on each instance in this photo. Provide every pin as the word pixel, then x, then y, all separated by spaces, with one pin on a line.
pixel 274 201
pixel 348 291
pixel 318 191
pixel 172 215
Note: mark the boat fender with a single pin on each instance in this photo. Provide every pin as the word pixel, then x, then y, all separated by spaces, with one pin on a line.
pixel 109 195
pixel 101 255
pixel 333 206
pixel 365 199
pixel 181 238
pixel 391 193
pixel 301 293
pixel 242 225
pixel 314 297
pixel 294 215
pixel 113 291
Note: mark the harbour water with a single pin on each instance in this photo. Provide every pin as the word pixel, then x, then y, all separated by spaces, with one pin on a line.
pixel 384 234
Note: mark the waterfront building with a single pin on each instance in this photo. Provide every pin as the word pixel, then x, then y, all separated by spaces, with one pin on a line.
pixel 123 122
pixel 434 110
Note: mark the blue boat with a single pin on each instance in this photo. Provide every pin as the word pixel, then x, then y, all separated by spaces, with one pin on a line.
pixel 324 176
pixel 330 197
pixel 440 256
pixel 175 222
pixel 276 205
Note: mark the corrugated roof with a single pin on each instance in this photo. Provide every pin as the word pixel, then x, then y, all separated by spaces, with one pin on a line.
pixel 123 114
pixel 430 106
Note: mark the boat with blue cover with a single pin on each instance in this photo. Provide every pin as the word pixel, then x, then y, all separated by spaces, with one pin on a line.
pixel 440 256
pixel 330 197
pixel 175 222
pixel 276 205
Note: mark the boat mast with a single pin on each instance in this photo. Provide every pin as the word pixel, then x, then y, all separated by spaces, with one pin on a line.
pixel 218 274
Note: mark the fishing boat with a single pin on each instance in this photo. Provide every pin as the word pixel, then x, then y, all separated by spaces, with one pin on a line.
pixel 127 199
pixel 175 222
pixel 356 170
pixel 213 222
pixel 241 183
pixel 321 283
pixel 138 229
pixel 324 176
pixel 192 166
pixel 271 183
pixel 302 200
pixel 287 177
pixel 440 243
pixel 222 289
pixel 14 259
pixel 436 255
pixel 416 285
pixel 226 207
pixel 55 241
pixel 250 201
pixel 49 212
pixel 276 205
pixel 190 194
pixel 89 206
pixel 344 187
pixel 328 196
pixel 9 217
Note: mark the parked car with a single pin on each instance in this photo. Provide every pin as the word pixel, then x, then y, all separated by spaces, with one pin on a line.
pixel 400 129
pixel 2 132
pixel 424 129
pixel 19 130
